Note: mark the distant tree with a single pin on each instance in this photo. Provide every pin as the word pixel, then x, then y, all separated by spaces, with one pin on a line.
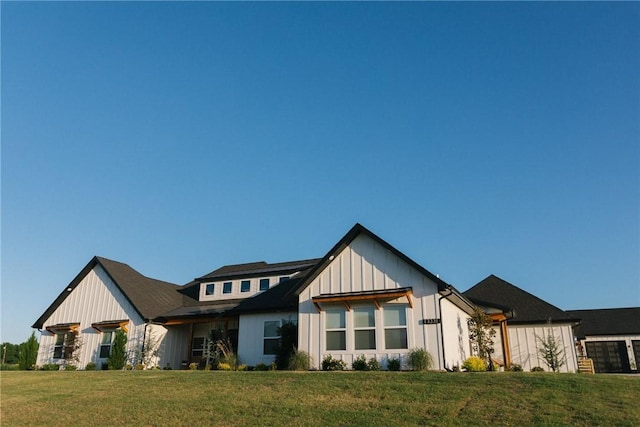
pixel 481 334
pixel 118 357
pixel 28 353
pixel 551 351
pixel 10 353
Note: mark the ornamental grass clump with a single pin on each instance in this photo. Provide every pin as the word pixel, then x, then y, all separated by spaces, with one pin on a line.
pixel 419 359
pixel 474 364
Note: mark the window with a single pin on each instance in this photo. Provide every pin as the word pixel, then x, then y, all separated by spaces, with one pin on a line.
pixel 209 289
pixel 226 288
pixel 59 346
pixel 245 286
pixel 364 325
pixel 197 347
pixel 105 344
pixel 65 345
pixel 264 284
pixel 336 329
pixel 395 327
pixel 283 278
pixel 271 337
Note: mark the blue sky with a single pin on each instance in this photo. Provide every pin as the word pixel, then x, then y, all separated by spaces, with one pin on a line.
pixel 477 138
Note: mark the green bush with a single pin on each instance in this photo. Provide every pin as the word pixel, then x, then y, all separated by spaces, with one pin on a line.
pixel 474 364
pixel 90 366
pixel 393 364
pixel 50 367
pixel 373 364
pixel 516 368
pixel 167 368
pixel 419 359
pixel 359 364
pixel 9 367
pixel 331 364
pixel 537 369
pixel 70 368
pixel 261 367
pixel 299 361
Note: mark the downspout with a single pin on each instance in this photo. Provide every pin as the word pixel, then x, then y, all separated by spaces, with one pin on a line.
pixel 444 360
pixel 144 339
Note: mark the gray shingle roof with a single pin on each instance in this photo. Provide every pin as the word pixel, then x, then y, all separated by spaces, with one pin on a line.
pixel 150 297
pixel 527 308
pixel 258 268
pixel 607 321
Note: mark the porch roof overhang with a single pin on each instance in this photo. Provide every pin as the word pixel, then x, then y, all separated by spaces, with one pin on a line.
pixel 364 296
pixel 111 324
pixel 197 313
pixel 64 327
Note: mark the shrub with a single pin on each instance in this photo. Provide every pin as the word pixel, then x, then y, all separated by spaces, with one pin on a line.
pixel 118 357
pixel 373 364
pixel 50 367
pixel 167 367
pixel 474 364
pixel 516 368
pixel 393 364
pixel 90 366
pixel 331 364
pixel 299 361
pixel 139 367
pixel 193 366
pixel 242 368
pixel 419 359
pixel 222 366
pixel 261 367
pixel 9 367
pixel 359 364
pixel 537 369
pixel 70 368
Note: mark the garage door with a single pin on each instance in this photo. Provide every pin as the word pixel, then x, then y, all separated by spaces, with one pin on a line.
pixel 608 356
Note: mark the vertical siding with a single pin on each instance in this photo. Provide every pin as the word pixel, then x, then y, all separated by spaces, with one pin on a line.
pixel 95 299
pixel 362 266
pixel 456 341
pixel 524 345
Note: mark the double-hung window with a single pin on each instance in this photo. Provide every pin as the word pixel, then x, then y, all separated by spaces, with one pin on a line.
pixel 264 284
pixel 364 327
pixel 226 288
pixel 271 337
pixel 335 325
pixel 395 326
pixel 58 348
pixel 105 344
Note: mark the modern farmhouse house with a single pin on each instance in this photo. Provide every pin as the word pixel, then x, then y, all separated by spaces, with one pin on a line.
pixel 363 297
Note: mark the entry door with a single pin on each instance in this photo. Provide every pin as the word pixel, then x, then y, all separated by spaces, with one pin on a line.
pixel 608 356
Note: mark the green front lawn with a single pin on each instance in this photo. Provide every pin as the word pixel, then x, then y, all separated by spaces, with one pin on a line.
pixel 316 398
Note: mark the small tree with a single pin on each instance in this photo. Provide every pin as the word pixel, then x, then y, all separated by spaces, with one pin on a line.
pixel 551 351
pixel 481 334
pixel 118 356
pixel 287 344
pixel 150 350
pixel 28 353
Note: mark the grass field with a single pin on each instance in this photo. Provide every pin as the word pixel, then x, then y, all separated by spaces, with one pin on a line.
pixel 159 398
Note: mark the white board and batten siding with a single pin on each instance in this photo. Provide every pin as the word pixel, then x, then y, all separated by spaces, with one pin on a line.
pixel 96 298
pixel 366 265
pixel 524 342
pixel 456 338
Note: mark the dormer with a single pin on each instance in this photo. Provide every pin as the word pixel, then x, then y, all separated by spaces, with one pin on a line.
pixel 241 281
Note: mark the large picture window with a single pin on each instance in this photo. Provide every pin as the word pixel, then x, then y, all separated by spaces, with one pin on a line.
pixel 395 326
pixel 364 325
pixel 336 329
